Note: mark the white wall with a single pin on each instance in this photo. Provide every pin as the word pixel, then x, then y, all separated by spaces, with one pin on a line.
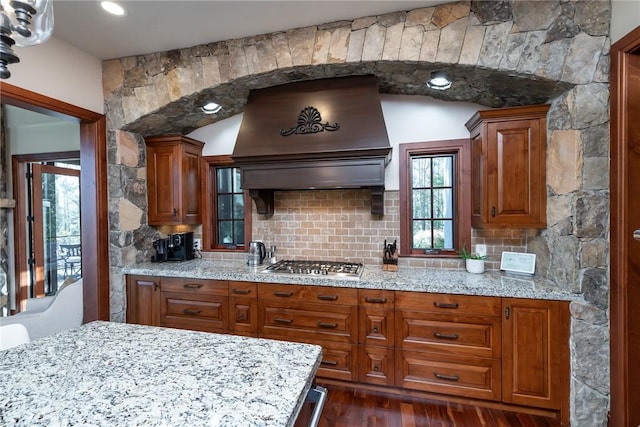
pixel 408 119
pixel 60 71
pixel 625 16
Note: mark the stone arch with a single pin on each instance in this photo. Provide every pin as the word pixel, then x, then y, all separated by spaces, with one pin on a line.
pixel 500 54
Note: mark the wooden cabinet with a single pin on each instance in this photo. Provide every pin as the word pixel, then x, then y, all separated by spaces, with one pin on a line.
pixel 509 350
pixel 143 300
pixel 449 344
pixel 535 360
pixel 313 314
pixel 508 155
pixel 243 308
pixel 173 180
pixel 376 318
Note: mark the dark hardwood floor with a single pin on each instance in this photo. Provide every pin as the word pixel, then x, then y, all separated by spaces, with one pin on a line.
pixel 348 408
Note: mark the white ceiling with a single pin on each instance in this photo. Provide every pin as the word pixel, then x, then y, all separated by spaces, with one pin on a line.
pixel 156 25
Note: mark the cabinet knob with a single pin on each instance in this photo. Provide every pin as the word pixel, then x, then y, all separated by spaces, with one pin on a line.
pixel 493 212
pixel 175 212
pixel 376 368
pixel 636 234
pixel 242 316
pixel 375 329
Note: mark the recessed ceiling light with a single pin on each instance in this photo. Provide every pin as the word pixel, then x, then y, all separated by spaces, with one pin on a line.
pixel 112 7
pixel 211 108
pixel 439 80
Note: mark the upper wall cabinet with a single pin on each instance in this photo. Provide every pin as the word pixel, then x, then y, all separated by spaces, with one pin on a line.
pixel 508 156
pixel 173 179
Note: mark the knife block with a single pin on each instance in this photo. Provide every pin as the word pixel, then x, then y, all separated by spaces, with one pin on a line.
pixel 390 263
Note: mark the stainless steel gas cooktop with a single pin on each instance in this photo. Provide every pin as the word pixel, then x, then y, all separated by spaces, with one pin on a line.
pixel 336 269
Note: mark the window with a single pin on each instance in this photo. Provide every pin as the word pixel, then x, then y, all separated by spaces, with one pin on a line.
pixel 227 221
pixel 434 198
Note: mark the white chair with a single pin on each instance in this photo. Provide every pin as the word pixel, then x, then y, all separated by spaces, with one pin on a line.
pixel 49 315
pixel 13 335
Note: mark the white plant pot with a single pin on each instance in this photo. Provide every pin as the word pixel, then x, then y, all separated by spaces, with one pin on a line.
pixel 475 265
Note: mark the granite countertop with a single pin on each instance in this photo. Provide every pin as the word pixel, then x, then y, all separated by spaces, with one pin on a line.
pixel 491 283
pixel 115 374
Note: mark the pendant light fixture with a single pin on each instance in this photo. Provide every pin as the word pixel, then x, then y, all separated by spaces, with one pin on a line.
pixel 22 23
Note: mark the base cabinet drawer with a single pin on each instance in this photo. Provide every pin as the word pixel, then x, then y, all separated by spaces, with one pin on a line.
pixel 207 313
pixel 457 375
pixel 376 365
pixel 338 361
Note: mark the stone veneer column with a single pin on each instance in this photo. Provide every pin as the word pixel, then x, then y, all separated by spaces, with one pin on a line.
pixel 559 41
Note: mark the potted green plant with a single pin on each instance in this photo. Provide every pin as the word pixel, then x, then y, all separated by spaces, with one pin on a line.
pixel 473 262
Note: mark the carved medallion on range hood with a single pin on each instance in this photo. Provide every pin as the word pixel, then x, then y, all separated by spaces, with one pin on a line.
pixel 318 134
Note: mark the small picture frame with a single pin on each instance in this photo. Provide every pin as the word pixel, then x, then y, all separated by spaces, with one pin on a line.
pixel 518 262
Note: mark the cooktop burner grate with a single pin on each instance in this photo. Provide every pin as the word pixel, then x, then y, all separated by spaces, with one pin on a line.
pixel 337 269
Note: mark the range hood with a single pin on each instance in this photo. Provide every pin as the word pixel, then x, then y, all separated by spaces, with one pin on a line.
pixel 319 134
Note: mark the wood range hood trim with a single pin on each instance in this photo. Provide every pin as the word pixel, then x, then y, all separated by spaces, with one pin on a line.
pixel 345 145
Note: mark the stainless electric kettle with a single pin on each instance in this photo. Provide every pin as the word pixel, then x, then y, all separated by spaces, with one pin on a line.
pixel 257 254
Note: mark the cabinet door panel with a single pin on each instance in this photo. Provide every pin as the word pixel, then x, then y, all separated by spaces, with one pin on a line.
pixel 376 365
pixel 143 300
pixel 535 347
pixel 163 191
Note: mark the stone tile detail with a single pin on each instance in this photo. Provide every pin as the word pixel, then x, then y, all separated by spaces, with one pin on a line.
pixel 451 39
pixel 446 14
pixel 373 43
pixel 112 76
pixel 513 51
pixel 130 215
pixel 493 45
pixel 489 12
pixel 564 261
pixel 356 46
pixel 596 141
pixel 128 150
pixel 238 66
pixel 590 345
pixel 564 161
pixel 282 52
pixel 210 72
pixel 534 15
pixel 593 17
pixel 429 48
pixel 392 42
pixel 591 216
pixel 339 45
pixel 559 207
pixel 411 43
pixel 301 43
pixel 589 105
pixel 421 17
pixel 582 58
pixel 321 48
pixel 587 405
pixel 363 23
pixel 596 173
pixel 530 60
pixel 595 286
pixel 594 253
pixel 472 45
pixel 392 19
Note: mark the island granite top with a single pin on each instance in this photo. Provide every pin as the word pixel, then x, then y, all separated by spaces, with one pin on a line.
pixel 492 283
pixel 115 374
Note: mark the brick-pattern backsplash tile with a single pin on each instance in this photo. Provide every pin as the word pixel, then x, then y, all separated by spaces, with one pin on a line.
pixel 337 224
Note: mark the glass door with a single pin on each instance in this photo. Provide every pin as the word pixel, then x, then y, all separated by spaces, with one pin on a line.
pixel 54 227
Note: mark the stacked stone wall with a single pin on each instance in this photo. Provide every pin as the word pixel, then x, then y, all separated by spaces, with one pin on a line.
pixel 499 53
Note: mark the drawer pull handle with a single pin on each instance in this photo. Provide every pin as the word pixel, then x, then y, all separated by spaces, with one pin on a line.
pixel 281 320
pixel 191 312
pixel 192 285
pixel 282 294
pixel 329 362
pixel 445 304
pixel 455 377
pixel 241 291
pixel 453 336
pixel 327 325
pixel 328 297
pixel 375 300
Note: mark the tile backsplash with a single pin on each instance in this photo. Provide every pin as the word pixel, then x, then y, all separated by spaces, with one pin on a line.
pixel 337 224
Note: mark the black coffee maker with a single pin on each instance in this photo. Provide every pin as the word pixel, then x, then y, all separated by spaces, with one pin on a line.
pixel 180 247
pixel 162 250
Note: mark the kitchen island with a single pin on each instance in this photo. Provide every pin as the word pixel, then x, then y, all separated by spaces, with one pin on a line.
pixel 113 374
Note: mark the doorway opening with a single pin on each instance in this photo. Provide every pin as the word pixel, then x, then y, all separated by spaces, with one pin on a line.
pixel 53 224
